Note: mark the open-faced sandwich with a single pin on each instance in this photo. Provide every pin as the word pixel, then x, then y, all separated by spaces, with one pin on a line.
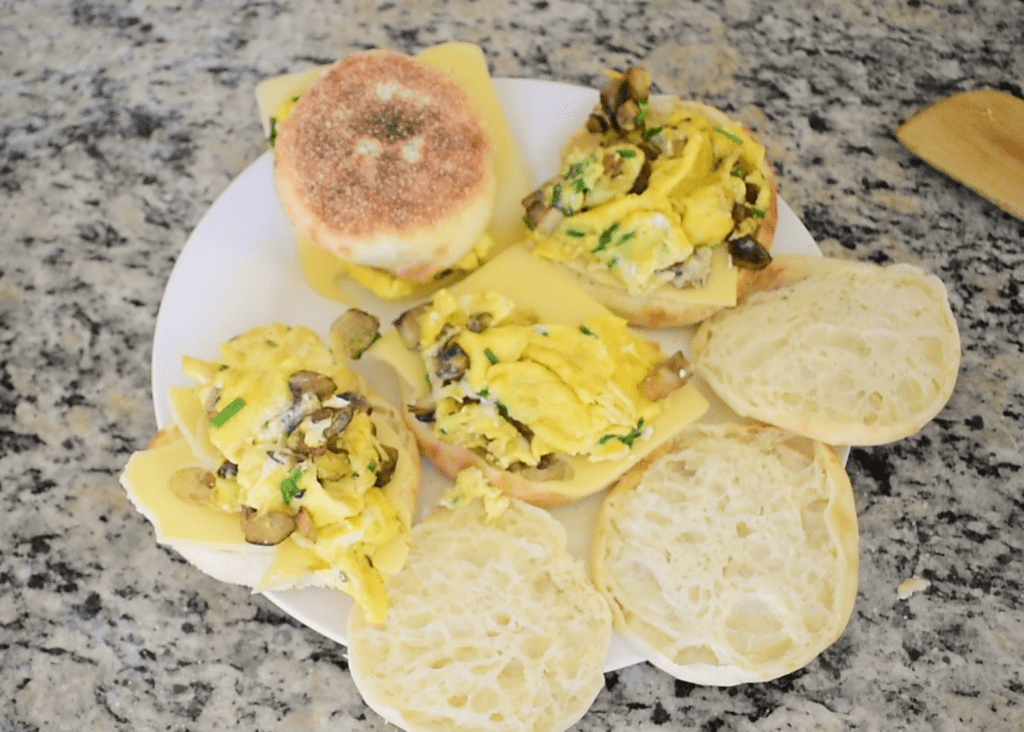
pixel 518 372
pixel 493 624
pixel 730 554
pixel 399 172
pixel 847 352
pixel 662 206
pixel 283 469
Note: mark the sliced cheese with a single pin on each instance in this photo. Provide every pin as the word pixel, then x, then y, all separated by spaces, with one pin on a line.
pixel 147 477
pixel 466 63
pixel 542 287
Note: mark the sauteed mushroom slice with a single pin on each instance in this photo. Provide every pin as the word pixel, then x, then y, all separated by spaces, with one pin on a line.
pixel 304 523
pixel 194 485
pixel 450 362
pixel 266 529
pixel 426 413
pixel 666 378
pixel 479 322
pixel 306 382
pixel 386 471
pixel 352 333
pixel 749 254
pixel 408 325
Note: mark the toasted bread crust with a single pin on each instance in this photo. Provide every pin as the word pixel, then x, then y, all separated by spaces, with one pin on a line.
pixel 387 162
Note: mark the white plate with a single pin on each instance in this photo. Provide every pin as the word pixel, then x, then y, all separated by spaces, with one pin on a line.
pixel 239 270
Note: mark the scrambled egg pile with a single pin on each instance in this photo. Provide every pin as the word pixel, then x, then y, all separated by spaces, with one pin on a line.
pixel 647 206
pixel 520 391
pixel 301 457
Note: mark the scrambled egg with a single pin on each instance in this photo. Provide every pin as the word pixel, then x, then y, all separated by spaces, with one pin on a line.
pixel 520 391
pixel 705 187
pixel 471 484
pixel 300 451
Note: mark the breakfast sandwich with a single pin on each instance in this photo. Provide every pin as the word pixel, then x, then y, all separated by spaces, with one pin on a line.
pixel 283 469
pixel 847 352
pixel 494 625
pixel 399 172
pixel 730 554
pixel 662 207
pixel 518 372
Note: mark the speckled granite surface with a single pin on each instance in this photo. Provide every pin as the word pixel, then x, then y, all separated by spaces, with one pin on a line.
pixel 121 122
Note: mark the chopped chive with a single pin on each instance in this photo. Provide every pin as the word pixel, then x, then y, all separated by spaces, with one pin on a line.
pixel 372 467
pixel 587 331
pixel 628 439
pixel 556 194
pixel 758 212
pixel 290 486
pixel 228 412
pixel 490 356
pixel 579 185
pixel 272 344
pixel 272 138
pixel 736 173
pixel 576 233
pixel 606 237
pixel 648 134
pixel 730 135
pixel 645 111
pixel 626 153
pixel 485 392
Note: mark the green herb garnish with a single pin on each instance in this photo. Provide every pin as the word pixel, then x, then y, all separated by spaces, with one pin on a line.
pixel 372 467
pixel 626 153
pixel 731 136
pixel 228 412
pixel 648 134
pixel 606 238
pixel 576 233
pixel 758 212
pixel 485 392
pixel 556 194
pixel 628 439
pixel 587 331
pixel 272 139
pixel 290 486
pixel 490 356
pixel 736 173
pixel 644 113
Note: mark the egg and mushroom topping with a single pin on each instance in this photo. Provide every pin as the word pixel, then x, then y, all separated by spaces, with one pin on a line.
pixel 302 458
pixel 526 394
pixel 648 193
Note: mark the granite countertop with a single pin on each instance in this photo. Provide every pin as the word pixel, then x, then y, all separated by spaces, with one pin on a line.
pixel 120 123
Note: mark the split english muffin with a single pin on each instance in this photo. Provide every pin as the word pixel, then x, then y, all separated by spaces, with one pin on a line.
pixel 846 352
pixel 386 162
pixel 730 554
pixel 493 624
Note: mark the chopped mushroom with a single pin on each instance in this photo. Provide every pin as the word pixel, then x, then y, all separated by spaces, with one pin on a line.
pixel 749 254
pixel 408 325
pixel 386 471
pixel 666 378
pixel 304 523
pixel 304 382
pixel 549 467
pixel 266 529
pixel 452 362
pixel 194 485
pixel 352 333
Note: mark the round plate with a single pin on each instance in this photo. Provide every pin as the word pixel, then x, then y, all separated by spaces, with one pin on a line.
pixel 239 270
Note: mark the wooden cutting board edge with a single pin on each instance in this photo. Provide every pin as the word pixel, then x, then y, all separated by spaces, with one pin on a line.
pixel 976 138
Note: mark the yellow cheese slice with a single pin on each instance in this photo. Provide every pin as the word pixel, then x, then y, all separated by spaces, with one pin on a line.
pixel 541 286
pixel 147 477
pixel 466 63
